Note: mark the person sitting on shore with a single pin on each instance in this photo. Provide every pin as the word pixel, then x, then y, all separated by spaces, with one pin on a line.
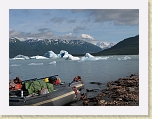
pixel 76 79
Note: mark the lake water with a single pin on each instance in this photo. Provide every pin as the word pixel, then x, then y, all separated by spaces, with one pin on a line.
pixel 90 71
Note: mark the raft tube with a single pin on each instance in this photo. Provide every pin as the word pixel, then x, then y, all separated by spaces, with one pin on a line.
pixel 62 95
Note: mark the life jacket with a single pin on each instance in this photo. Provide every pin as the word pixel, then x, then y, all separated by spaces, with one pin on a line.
pixel 15 84
pixel 18 86
pixel 15 87
pixel 58 81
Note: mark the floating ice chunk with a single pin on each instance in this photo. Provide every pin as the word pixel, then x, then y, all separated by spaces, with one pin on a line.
pixel 102 58
pixel 20 57
pixel 35 64
pixel 53 62
pixel 15 64
pixel 127 57
pixel 50 54
pixel 119 58
pixel 124 58
pixel 38 57
pixel 70 57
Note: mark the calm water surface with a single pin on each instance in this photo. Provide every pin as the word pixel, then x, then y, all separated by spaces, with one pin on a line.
pixel 91 71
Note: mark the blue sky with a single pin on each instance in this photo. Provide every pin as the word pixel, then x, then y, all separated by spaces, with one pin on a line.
pixel 109 25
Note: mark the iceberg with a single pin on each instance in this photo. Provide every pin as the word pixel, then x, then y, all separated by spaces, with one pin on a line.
pixel 38 57
pixel 20 57
pixel 50 54
pixel 63 54
pixel 70 57
pixel 88 57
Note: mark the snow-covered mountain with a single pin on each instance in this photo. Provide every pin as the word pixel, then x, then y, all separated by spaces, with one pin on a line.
pixel 101 44
pixel 82 38
pixel 33 47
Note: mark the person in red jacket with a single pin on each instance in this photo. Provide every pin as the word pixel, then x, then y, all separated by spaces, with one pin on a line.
pixel 57 82
pixel 76 79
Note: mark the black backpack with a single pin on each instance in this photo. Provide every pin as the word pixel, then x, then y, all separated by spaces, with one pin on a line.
pixel 52 79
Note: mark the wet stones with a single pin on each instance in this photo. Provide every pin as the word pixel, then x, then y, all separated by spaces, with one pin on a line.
pixel 98 83
pixel 122 92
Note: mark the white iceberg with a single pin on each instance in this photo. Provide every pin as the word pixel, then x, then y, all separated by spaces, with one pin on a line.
pixel 63 54
pixel 50 54
pixel 38 57
pixel 70 57
pixel 20 57
pixel 88 57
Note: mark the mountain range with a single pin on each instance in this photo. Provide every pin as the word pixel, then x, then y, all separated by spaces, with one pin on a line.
pixel 33 47
pixel 87 44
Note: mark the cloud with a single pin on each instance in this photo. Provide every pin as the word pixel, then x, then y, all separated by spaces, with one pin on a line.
pixel 42 30
pixel 69 36
pixel 42 35
pixel 71 21
pixel 79 28
pixel 39 35
pixel 117 16
pixel 57 19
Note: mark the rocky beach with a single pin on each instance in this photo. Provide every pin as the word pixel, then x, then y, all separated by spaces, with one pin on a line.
pixel 122 92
